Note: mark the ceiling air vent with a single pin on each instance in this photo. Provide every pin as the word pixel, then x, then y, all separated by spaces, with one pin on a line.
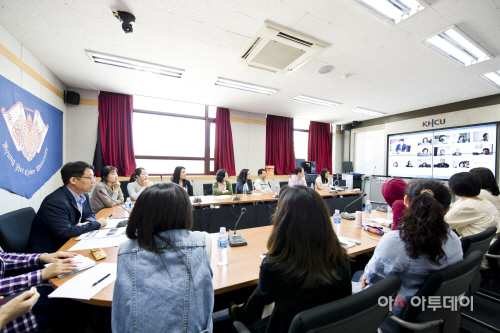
pixel 279 50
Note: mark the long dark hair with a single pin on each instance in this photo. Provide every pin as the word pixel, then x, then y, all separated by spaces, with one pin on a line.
pixel 137 172
pixel 177 176
pixel 487 180
pixel 161 207
pixel 243 176
pixel 423 229
pixel 106 171
pixel 303 246
pixel 464 184
pixel 220 175
pixel 324 180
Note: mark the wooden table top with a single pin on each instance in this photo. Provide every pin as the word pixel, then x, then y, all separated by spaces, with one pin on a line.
pixel 243 265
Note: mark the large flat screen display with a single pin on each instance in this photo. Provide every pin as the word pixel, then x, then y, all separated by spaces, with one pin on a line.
pixel 441 153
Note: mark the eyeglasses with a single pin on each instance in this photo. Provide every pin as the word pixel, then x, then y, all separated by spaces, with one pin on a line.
pixel 91 178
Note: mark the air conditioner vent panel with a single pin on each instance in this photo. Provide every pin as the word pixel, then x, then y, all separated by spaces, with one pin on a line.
pixel 277 55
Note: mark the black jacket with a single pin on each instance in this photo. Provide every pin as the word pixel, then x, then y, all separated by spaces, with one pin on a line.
pixel 54 223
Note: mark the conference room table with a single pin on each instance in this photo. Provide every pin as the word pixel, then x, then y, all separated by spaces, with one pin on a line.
pixel 244 262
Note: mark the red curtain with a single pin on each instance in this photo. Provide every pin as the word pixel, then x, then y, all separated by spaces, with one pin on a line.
pixel 223 151
pixel 115 131
pixel 279 145
pixel 320 146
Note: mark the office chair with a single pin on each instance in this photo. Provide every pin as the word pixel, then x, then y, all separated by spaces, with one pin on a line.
pixel 283 184
pixel 360 312
pixel 207 189
pixel 15 230
pixel 234 188
pixel 452 281
pixel 123 187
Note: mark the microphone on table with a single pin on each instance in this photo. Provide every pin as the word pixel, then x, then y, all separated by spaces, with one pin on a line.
pixel 196 197
pixel 161 177
pixel 122 223
pixel 234 238
pixel 348 216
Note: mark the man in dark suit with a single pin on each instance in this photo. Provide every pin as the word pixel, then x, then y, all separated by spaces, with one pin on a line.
pixel 442 164
pixel 66 212
pixel 401 147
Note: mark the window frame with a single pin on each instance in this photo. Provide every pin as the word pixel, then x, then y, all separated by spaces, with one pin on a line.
pixel 205 158
pixel 300 130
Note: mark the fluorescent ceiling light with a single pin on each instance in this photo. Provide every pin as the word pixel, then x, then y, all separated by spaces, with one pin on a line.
pixel 366 111
pixel 394 11
pixel 492 77
pixel 311 100
pixel 455 44
pixel 244 86
pixel 106 59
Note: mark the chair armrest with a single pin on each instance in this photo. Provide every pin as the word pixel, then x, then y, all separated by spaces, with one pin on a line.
pixel 493 256
pixel 414 326
pixel 240 327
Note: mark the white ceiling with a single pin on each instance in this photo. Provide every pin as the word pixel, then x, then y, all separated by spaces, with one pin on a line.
pixel 390 70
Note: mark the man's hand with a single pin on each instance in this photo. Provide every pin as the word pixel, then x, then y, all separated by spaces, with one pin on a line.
pixel 82 224
pixel 18 306
pixel 364 282
pixel 59 267
pixel 102 221
pixel 53 257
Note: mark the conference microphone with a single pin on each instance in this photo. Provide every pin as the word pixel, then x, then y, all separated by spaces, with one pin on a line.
pixel 234 238
pixel 161 177
pixel 348 216
pixel 196 197
pixel 122 223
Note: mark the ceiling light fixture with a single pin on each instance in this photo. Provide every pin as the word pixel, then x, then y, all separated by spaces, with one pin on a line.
pixel 369 112
pixel 106 59
pixel 493 78
pixel 312 100
pixel 455 44
pixel 244 86
pixel 393 11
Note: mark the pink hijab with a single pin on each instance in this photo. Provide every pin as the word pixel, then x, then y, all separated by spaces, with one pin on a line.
pixel 394 193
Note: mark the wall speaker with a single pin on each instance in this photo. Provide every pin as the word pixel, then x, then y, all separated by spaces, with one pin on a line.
pixel 346 127
pixel 71 97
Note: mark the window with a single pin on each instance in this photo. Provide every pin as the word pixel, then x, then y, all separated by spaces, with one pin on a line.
pixel 171 133
pixel 300 137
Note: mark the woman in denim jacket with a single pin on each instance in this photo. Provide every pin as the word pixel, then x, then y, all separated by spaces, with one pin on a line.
pixel 164 281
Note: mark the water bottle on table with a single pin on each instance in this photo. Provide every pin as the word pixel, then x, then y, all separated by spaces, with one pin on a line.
pixel 128 205
pixel 277 189
pixel 336 222
pixel 368 211
pixel 222 248
pixel 245 190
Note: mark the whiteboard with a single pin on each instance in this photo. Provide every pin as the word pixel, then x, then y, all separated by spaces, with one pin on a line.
pixel 369 152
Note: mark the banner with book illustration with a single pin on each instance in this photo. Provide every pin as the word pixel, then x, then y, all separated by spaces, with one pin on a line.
pixel 31 139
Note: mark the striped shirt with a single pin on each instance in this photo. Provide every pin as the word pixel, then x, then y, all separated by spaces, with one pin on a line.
pixel 9 285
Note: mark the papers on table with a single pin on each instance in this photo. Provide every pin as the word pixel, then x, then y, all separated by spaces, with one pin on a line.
pixel 346 243
pixel 99 242
pixel 113 222
pixel 381 220
pixel 259 193
pixel 222 197
pixel 81 286
pixel 105 233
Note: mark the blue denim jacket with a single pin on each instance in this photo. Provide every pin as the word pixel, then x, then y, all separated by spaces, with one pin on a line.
pixel 174 296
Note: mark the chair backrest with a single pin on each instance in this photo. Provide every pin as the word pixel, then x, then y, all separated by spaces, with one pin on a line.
pixel 495 263
pixel 207 189
pixel 123 186
pixel 15 230
pixel 452 281
pixel 360 312
pixel 283 184
pixel 466 242
pixel 481 241
pixel 233 185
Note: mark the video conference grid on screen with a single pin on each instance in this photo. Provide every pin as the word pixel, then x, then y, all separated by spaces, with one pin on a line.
pixel 442 153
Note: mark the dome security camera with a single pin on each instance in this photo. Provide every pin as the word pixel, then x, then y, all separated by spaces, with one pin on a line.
pixel 127 19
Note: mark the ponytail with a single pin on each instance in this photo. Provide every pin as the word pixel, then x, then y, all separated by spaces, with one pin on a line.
pixel 135 174
pixel 423 227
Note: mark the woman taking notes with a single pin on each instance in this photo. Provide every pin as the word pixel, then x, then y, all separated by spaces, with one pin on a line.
pixel 305 265
pixel 138 182
pixel 179 178
pixel 221 184
pixel 164 279
pixel 111 186
pixel 322 180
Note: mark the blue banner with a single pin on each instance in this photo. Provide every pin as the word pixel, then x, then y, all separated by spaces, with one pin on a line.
pixel 31 140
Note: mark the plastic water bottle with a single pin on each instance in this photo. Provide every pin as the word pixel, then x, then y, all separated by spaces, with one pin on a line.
pixel 336 222
pixel 368 211
pixel 312 186
pixel 128 206
pixel 277 187
pixel 222 248
pixel 245 190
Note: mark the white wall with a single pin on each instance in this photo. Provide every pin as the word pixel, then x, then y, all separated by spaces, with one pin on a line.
pixel 13 73
pixel 81 124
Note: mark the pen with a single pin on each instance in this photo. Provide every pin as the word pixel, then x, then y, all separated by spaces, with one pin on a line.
pixel 101 280
pixel 110 215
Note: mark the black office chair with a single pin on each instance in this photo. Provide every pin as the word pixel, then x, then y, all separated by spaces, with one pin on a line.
pixel 208 189
pixel 360 312
pixel 452 281
pixel 123 186
pixel 15 230
pixel 479 242
pixel 234 188
pixel 283 184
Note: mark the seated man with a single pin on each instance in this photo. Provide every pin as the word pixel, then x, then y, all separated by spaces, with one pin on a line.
pixel 66 212
pixel 262 184
pixel 442 164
